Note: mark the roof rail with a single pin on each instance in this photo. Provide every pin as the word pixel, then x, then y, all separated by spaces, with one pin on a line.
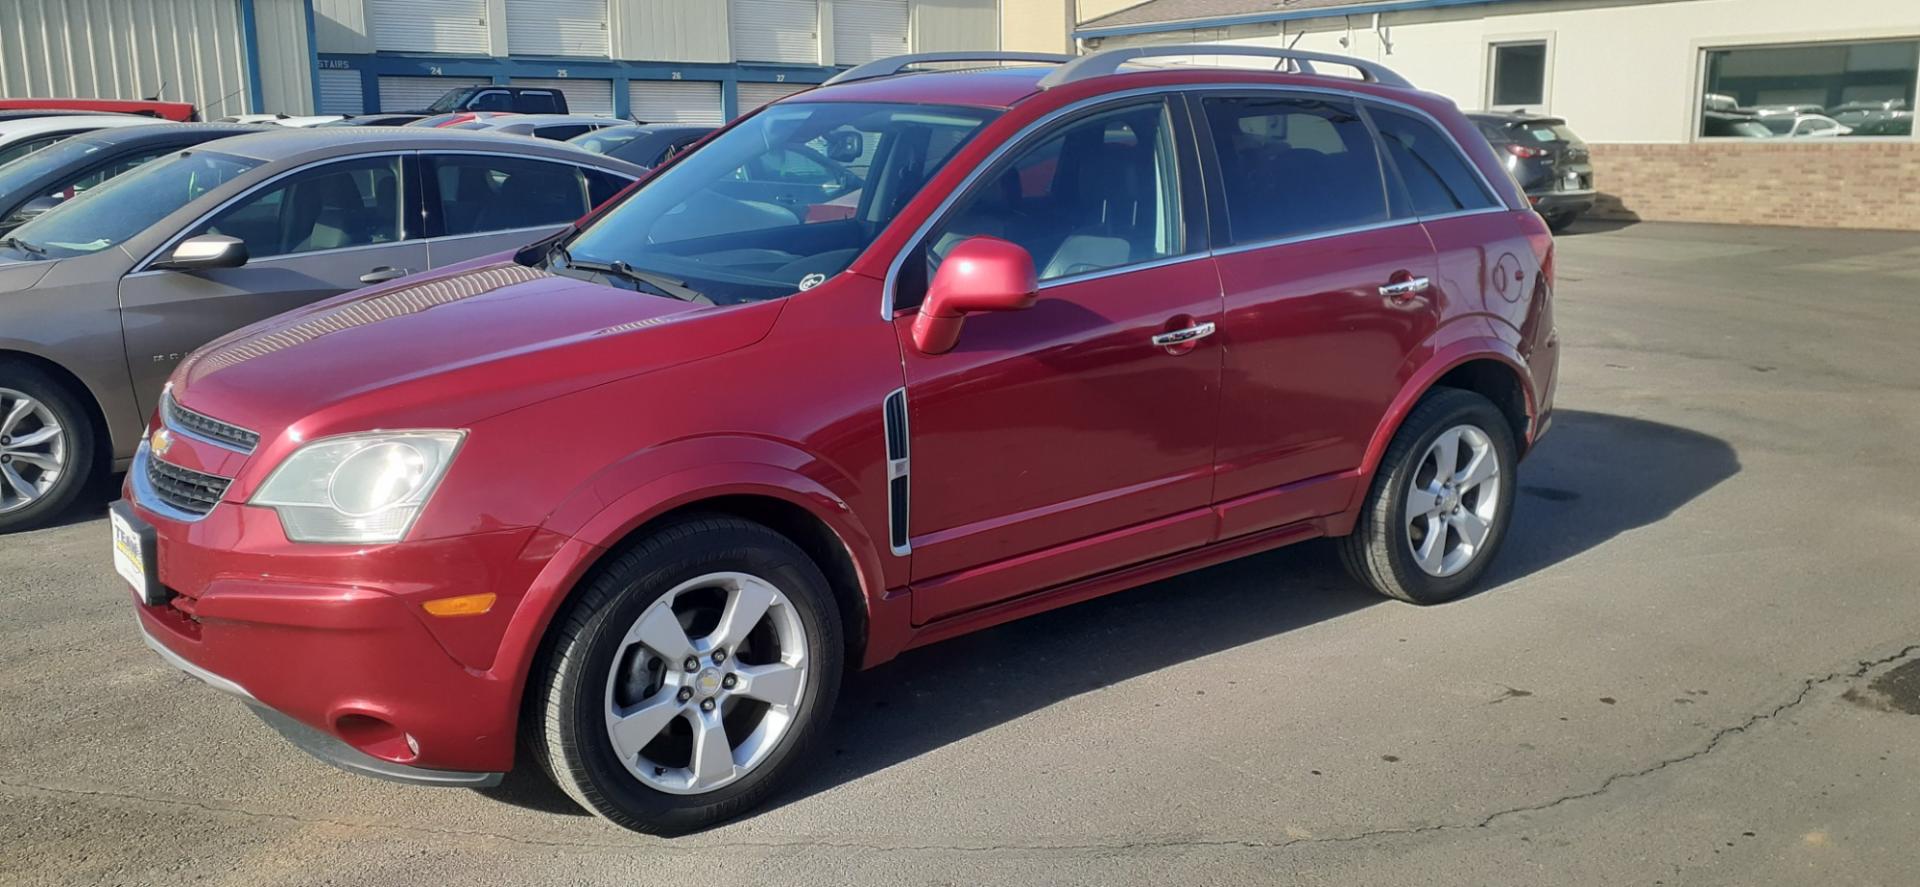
pixel 892 65
pixel 1109 62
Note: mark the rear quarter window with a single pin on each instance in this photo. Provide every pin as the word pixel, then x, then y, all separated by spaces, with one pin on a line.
pixel 1438 178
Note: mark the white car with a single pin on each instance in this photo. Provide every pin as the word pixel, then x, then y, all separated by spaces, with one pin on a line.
pixel 558 127
pixel 18 138
pixel 1804 126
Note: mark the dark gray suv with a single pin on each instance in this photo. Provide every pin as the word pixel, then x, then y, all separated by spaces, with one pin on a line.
pixel 102 296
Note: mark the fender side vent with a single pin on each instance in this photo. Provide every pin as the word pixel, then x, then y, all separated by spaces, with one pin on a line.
pixel 895 408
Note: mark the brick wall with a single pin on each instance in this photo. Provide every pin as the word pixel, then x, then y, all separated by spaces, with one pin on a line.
pixel 1819 183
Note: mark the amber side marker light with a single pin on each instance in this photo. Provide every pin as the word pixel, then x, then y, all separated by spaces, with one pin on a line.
pixel 464 605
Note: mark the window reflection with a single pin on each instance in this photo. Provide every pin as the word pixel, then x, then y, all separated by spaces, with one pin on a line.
pixel 1811 91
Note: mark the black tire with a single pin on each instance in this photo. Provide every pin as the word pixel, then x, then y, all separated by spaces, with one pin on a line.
pixel 566 729
pixel 1379 550
pixel 1558 223
pixel 77 424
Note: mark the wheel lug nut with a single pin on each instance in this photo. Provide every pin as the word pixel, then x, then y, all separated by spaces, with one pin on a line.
pixel 729 681
pixel 685 694
pixel 719 656
pixel 692 664
pixel 706 705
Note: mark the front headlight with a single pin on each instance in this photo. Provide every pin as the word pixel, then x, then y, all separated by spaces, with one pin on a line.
pixel 358 488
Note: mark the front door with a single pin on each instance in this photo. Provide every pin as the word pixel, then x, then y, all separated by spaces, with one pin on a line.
pixel 1062 440
pixel 315 233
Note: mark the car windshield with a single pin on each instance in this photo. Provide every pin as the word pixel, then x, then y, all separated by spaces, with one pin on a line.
pixel 125 206
pixel 16 174
pixel 605 140
pixel 451 101
pixel 779 203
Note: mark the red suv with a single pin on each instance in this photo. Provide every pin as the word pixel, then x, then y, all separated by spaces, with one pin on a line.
pixel 884 363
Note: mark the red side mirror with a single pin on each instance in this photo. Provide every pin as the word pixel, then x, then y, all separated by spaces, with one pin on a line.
pixel 978 274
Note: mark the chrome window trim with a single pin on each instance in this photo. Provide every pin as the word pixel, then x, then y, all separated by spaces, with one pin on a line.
pixel 1019 138
pixel 142 266
pixel 1147 265
pixel 318 252
pixel 1463 213
pixel 444 238
pixel 1314 235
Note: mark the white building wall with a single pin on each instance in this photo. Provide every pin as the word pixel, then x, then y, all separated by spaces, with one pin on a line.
pixel 1622 72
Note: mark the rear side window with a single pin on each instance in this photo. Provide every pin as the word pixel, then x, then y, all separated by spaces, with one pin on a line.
pixel 1439 179
pixel 477 194
pixel 601 186
pixel 1294 167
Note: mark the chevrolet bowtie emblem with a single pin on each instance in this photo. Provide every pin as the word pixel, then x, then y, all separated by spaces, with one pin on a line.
pixel 160 442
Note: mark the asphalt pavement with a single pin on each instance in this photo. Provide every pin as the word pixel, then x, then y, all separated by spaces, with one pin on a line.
pixel 1698 663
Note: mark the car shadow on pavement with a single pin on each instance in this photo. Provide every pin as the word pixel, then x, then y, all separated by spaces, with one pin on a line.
pixel 1593 477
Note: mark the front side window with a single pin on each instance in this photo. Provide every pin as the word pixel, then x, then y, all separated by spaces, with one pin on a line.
pixel 1295 166
pixel 492 100
pixel 1438 178
pixel 1519 75
pixel 123 207
pixel 347 204
pixel 782 201
pixel 1863 85
pixel 1101 192
pixel 477 194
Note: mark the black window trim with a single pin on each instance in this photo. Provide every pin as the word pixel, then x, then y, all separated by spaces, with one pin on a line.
pixel 1193 202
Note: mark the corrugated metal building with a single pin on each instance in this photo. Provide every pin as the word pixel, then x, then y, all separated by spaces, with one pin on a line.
pixel 667 60
pixel 226 56
pixel 695 61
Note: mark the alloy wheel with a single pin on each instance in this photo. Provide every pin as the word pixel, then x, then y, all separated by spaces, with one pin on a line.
pixel 1452 500
pixel 33 450
pixel 706 683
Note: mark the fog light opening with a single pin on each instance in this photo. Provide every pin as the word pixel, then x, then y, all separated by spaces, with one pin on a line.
pixel 377 738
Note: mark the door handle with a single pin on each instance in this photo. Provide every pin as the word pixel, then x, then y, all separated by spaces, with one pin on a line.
pixel 383 274
pixel 1190 334
pixel 1403 290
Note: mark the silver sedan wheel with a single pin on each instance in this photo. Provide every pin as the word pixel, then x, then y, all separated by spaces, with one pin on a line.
pixel 1452 500
pixel 706 683
pixel 33 450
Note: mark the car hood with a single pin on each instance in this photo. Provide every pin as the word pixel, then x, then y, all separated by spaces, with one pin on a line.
pixel 449 348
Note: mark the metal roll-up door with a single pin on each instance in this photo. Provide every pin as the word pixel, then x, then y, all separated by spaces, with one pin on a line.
pixel 557 28
pixel 675 101
pixel 416 93
pixel 340 92
pixel 753 95
pixel 583 96
pixel 449 26
pixel 776 31
pixel 864 30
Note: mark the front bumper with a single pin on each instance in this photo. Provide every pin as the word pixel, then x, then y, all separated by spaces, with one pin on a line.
pixel 320 744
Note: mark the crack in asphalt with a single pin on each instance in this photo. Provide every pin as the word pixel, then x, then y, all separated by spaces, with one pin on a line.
pixel 1712 744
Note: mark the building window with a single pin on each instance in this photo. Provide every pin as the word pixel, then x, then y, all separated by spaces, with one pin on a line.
pixel 1816 90
pixel 1519 75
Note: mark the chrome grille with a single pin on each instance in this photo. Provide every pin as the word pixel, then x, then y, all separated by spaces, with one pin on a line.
pixel 184 488
pixel 204 426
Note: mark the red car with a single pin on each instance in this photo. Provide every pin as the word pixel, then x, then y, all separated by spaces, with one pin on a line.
pixel 182 112
pixel 633 498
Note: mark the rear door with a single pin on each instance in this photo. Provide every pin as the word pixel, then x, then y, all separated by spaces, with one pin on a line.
pixel 310 234
pixel 1328 287
pixel 479 204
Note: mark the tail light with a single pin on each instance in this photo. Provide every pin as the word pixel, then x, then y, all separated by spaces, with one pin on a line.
pixel 1525 152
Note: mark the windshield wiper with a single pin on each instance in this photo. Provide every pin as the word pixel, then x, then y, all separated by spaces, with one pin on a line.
pixel 660 284
pixel 25 247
